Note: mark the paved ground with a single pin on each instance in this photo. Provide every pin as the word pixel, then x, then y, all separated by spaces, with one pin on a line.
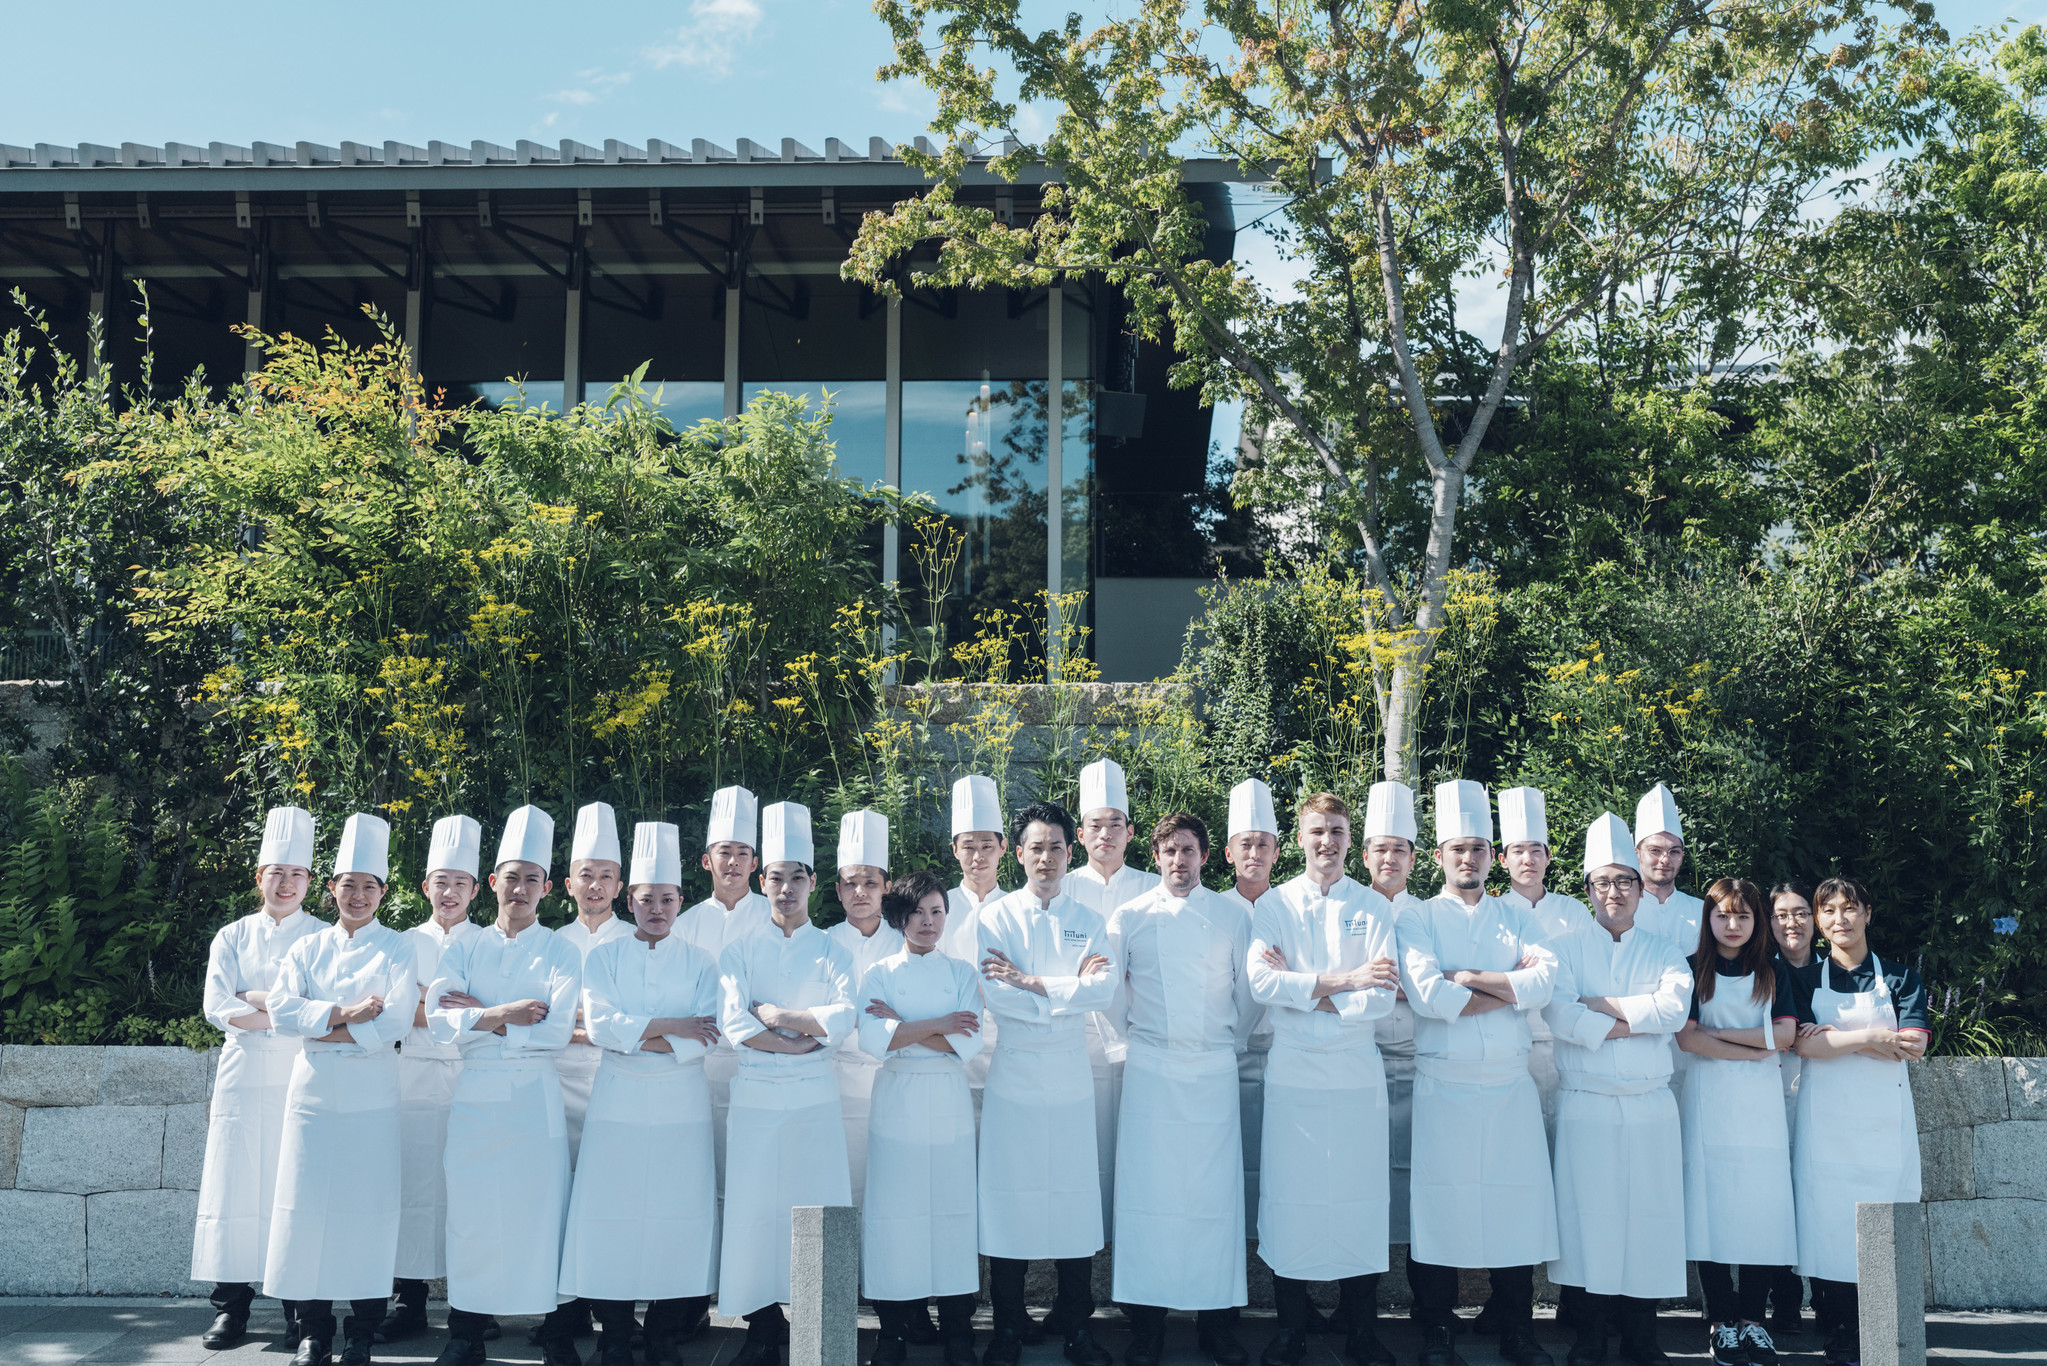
pixel 165 1332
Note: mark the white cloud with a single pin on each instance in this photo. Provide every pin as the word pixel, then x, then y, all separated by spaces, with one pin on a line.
pixel 712 37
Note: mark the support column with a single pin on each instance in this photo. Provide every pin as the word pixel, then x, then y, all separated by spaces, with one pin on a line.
pixel 259 290
pixel 1890 1281
pixel 415 299
pixel 892 461
pixel 106 279
pixel 572 327
pixel 732 390
pixel 1055 467
pixel 824 1285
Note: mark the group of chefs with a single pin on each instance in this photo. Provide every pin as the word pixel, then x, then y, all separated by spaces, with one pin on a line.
pixel 623 1111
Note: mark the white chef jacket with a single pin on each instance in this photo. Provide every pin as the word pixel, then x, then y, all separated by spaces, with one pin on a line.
pixel 863 951
pixel 710 927
pixel 1556 914
pixel 429 942
pixel 963 922
pixel 919 986
pixel 584 941
pixel 1184 983
pixel 1320 933
pixel 244 956
pixel 1047 942
pixel 628 984
pixel 806 970
pixel 1086 886
pixel 1652 984
pixel 1676 919
pixel 333 968
pixel 496 968
pixel 1443 934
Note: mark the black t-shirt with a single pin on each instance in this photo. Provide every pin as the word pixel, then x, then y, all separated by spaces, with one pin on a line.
pixel 1781 1007
pixel 1908 994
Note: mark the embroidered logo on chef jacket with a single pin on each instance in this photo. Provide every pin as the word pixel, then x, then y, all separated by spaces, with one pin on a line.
pixel 1359 925
pixel 1073 939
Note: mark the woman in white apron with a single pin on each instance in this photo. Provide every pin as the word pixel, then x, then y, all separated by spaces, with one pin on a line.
pixel 921 1017
pixel 348 991
pixel 1737 1150
pixel 1859 1022
pixel 245 1122
pixel 1791 928
pixel 643 1221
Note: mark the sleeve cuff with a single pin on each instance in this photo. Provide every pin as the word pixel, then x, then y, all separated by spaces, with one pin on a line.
pixel 1592 1030
pixel 1528 988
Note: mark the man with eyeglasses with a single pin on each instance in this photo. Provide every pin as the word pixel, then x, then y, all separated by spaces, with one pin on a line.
pixel 1660 849
pixel 1621 991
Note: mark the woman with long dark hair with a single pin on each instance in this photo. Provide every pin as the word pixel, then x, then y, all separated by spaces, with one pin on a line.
pixel 1791 926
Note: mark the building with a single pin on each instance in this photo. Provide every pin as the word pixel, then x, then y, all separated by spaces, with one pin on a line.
pixel 551 272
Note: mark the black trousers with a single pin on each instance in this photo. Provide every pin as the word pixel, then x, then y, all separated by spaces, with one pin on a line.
pixel 556 1327
pixel 955 1314
pixel 1151 1318
pixel 1435 1293
pixel 316 1317
pixel 1072 1307
pixel 768 1324
pixel 410 1293
pixel 1837 1306
pixel 233 1297
pixel 663 1316
pixel 1724 1304
pixel 1787 1291
pixel 1356 1306
pixel 1634 1319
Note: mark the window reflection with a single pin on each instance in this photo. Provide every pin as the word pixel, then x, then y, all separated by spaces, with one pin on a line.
pixel 859 430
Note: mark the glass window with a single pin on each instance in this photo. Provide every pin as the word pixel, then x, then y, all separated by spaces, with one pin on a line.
pixel 859 420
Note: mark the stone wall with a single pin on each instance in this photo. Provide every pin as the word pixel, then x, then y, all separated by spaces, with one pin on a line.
pixel 1983 1163
pixel 100 1154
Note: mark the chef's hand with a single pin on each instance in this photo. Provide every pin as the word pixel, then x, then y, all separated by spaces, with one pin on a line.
pixel 258 999
pixel 882 1010
pixel 1092 963
pixel 702 1028
pixel 1274 959
pixel 357 1012
pixel 1806 1031
pixel 962 1022
pixel 656 1045
pixel 512 1013
pixel 996 967
pixel 459 1000
pixel 1620 1029
pixel 768 1014
pixel 1482 1003
pixel 1380 972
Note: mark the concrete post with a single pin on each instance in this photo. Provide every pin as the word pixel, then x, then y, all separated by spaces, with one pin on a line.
pixel 1890 1267
pixel 824 1285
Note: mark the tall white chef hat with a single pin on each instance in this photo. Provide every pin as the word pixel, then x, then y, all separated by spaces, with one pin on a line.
pixel 863 841
pixel 365 847
pixel 1607 843
pixel 528 838
pixel 1524 817
pixel 976 805
pixel 1656 814
pixel 657 855
pixel 1463 811
pixel 735 817
pixel 1101 785
pixel 785 835
pixel 287 838
pixel 456 846
pixel 596 834
pixel 1251 809
pixel 1389 810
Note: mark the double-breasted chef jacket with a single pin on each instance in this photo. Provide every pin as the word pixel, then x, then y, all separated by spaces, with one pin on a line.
pixel 1481 1193
pixel 1183 1007
pixel 711 927
pixel 858 1070
pixel 1738 1203
pixel 577 1064
pixel 507 1160
pixel 245 1122
pixel 1322 1194
pixel 427 1071
pixel 1619 1157
pixel 919 1227
pixel 1040 1171
pixel 334 1232
pixel 1105 1051
pixel 785 1133
pixel 643 1218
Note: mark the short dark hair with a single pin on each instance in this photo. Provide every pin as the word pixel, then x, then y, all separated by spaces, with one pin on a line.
pixel 1841 889
pixel 906 893
pixel 1172 823
pixel 1040 813
pixel 1792 886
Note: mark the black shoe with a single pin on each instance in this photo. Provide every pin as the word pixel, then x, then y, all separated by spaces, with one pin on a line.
pixel 1723 1340
pixel 408 1322
pixel 1639 1344
pixel 461 1352
pixel 1220 1345
pixel 1842 1348
pixel 1755 1339
pixel 614 1354
pixel 312 1352
pixel 662 1350
pixel 1147 1347
pixel 1488 1321
pixel 889 1350
pixel 1083 1350
pixel 917 1328
pixel 560 1351
pixel 1363 1346
pixel 1439 1346
pixel 1032 1331
pixel 1005 1348
pixel 1787 1322
pixel 690 1330
pixel 492 1329
pixel 1519 1346
pixel 1287 1348
pixel 227 1330
pixel 1322 1324
pixel 959 1349
pixel 758 1351
pixel 1589 1348
pixel 355 1349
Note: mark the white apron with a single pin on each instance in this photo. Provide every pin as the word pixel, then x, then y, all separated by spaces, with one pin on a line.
pixel 244 1137
pixel 507 1166
pixel 577 1066
pixel 786 1146
pixel 426 1088
pixel 1620 1189
pixel 1040 1178
pixel 721 1065
pixel 1483 1196
pixel 1323 1172
pixel 858 1074
pixel 1738 1209
pixel 1179 1181
pixel 1395 1036
pixel 643 1220
pixel 1858 1138
pixel 334 1232
pixel 918 1228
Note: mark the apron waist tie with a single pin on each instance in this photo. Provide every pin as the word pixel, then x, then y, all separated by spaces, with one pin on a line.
pixel 1472 1072
pixel 1612 1086
pixel 1184 1064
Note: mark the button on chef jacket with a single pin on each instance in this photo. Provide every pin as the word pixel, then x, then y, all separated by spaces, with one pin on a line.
pixel 539 965
pixel 802 971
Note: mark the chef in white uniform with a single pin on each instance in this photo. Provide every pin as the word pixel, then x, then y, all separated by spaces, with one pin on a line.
pixel 1739 1218
pixel 862 881
pixel 978 844
pixel 1322 959
pixel 245 1122
pixel 507 998
pixel 427 1071
pixel 920 1011
pixel 348 993
pixel 1660 849
pixel 1045 966
pixel 1621 993
pixel 643 1221
pixel 733 911
pixel 1183 1006
pixel 787 1002
pixel 1251 850
pixel 596 876
pixel 1860 1020
pixel 1102 884
pixel 1475 969
pixel 1388 852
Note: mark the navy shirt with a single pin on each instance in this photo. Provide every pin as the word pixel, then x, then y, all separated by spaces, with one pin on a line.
pixel 1781 1005
pixel 1908 994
